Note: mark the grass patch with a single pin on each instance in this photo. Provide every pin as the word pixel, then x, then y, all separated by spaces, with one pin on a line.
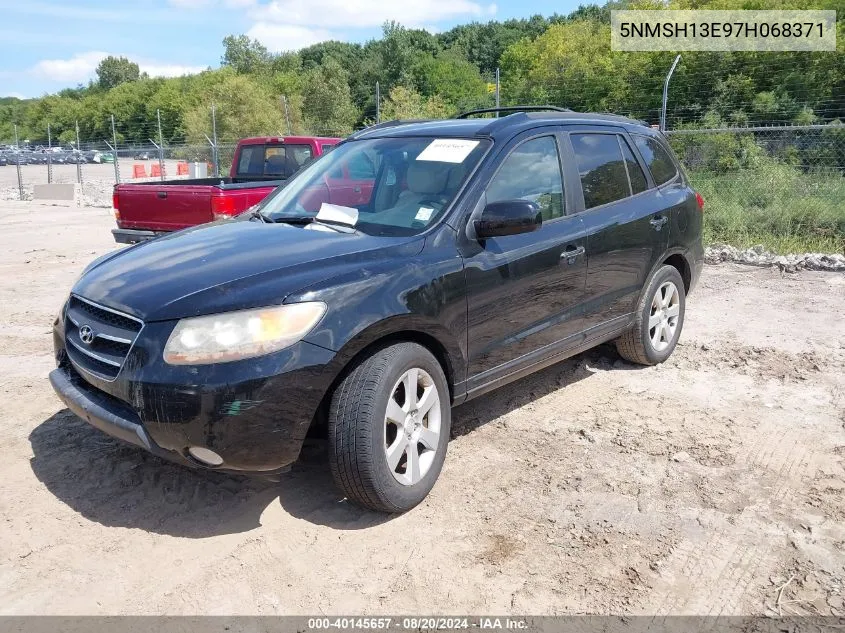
pixel 779 206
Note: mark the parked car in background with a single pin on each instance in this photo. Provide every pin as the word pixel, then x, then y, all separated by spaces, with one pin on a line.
pixel 412 268
pixel 3 159
pixel 145 210
pixel 144 155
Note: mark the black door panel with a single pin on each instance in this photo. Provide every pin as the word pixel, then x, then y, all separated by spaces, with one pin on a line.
pixel 524 292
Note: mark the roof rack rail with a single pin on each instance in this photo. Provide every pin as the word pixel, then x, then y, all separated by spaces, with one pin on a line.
pixel 516 108
pixel 386 124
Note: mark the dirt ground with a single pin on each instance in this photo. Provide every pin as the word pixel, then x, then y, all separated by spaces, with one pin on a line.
pixel 710 485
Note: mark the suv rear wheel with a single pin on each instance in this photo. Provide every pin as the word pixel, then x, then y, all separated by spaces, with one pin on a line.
pixel 660 319
pixel 389 425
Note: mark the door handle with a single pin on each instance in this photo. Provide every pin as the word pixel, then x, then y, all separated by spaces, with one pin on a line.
pixel 356 189
pixel 162 194
pixel 572 253
pixel 658 223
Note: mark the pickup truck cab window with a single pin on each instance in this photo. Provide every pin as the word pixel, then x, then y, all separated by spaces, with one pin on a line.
pixel 531 172
pixel 273 160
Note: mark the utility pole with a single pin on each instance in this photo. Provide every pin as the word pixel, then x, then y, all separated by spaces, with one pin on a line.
pixel 378 103
pixel 160 145
pixel 114 151
pixel 215 157
pixel 78 156
pixel 18 161
pixel 49 155
pixel 287 112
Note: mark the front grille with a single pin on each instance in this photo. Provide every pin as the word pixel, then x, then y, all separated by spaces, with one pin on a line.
pixel 98 339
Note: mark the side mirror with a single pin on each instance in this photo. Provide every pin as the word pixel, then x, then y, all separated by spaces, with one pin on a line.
pixel 508 217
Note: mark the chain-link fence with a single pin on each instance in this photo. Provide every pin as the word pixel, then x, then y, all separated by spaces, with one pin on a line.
pixel 781 186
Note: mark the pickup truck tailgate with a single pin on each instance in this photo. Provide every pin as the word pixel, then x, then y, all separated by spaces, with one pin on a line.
pixel 163 207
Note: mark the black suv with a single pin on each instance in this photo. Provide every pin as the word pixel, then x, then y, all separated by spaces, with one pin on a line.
pixel 414 267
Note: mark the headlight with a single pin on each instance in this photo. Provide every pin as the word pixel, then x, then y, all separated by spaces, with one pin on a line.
pixel 221 338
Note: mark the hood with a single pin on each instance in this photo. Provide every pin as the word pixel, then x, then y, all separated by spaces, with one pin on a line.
pixel 228 266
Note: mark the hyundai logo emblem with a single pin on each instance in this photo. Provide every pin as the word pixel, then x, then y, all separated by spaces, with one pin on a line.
pixel 86 334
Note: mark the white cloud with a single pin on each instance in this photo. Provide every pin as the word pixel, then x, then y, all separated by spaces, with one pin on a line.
pixel 82 66
pixel 190 4
pixel 366 13
pixel 287 37
pixel 158 69
pixel 78 68
pixel 15 95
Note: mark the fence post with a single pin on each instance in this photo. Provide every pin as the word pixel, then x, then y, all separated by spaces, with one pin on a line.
pixel 215 158
pixel 78 156
pixel 666 94
pixel 114 152
pixel 49 155
pixel 160 145
pixel 378 103
pixel 498 91
pixel 18 161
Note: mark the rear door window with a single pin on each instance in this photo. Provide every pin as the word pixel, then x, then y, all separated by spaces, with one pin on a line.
pixel 272 161
pixel 657 158
pixel 601 167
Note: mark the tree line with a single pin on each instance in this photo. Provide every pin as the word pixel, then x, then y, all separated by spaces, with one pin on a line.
pixel 330 87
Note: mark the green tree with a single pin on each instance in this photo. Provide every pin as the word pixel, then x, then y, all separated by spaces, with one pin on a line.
pixel 457 81
pixel 327 100
pixel 244 54
pixel 244 107
pixel 113 71
pixel 407 103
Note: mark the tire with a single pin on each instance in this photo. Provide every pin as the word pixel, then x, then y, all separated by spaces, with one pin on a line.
pixel 363 435
pixel 647 345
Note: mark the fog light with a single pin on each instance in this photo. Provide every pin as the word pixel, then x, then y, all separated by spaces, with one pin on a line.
pixel 205 456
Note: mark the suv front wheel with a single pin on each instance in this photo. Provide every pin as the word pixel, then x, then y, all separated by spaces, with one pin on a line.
pixel 389 425
pixel 660 319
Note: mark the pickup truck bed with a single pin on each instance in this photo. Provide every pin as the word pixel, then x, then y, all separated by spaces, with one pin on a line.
pixel 150 208
pixel 145 210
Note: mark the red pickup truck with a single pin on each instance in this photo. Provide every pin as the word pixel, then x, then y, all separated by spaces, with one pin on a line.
pixel 146 209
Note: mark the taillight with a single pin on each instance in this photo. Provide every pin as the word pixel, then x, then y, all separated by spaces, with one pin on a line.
pixel 222 207
pixel 115 200
pixel 700 201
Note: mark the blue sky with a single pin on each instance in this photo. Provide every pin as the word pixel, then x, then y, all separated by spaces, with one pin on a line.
pixel 54 44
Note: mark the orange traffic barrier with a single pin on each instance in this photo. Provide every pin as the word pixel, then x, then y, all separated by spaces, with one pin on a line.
pixel 181 169
pixel 155 170
pixel 139 171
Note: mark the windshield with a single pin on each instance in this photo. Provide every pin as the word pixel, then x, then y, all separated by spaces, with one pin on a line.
pixel 387 186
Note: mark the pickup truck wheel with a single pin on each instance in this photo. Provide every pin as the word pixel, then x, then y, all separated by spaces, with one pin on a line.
pixel 389 424
pixel 660 319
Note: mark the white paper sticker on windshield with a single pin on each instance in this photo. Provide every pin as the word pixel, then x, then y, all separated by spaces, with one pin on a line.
pixel 448 150
pixel 338 214
pixel 424 214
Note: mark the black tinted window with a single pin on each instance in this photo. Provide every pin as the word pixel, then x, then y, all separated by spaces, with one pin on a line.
pixel 635 172
pixel 279 161
pixel 659 161
pixel 531 172
pixel 601 167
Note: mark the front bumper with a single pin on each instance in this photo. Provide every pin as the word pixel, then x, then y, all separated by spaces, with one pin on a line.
pixel 254 414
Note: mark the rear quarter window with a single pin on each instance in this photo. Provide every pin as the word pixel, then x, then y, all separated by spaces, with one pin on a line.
pixel 657 158
pixel 272 161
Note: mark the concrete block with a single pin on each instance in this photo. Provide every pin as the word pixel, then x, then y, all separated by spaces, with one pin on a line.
pixel 70 192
